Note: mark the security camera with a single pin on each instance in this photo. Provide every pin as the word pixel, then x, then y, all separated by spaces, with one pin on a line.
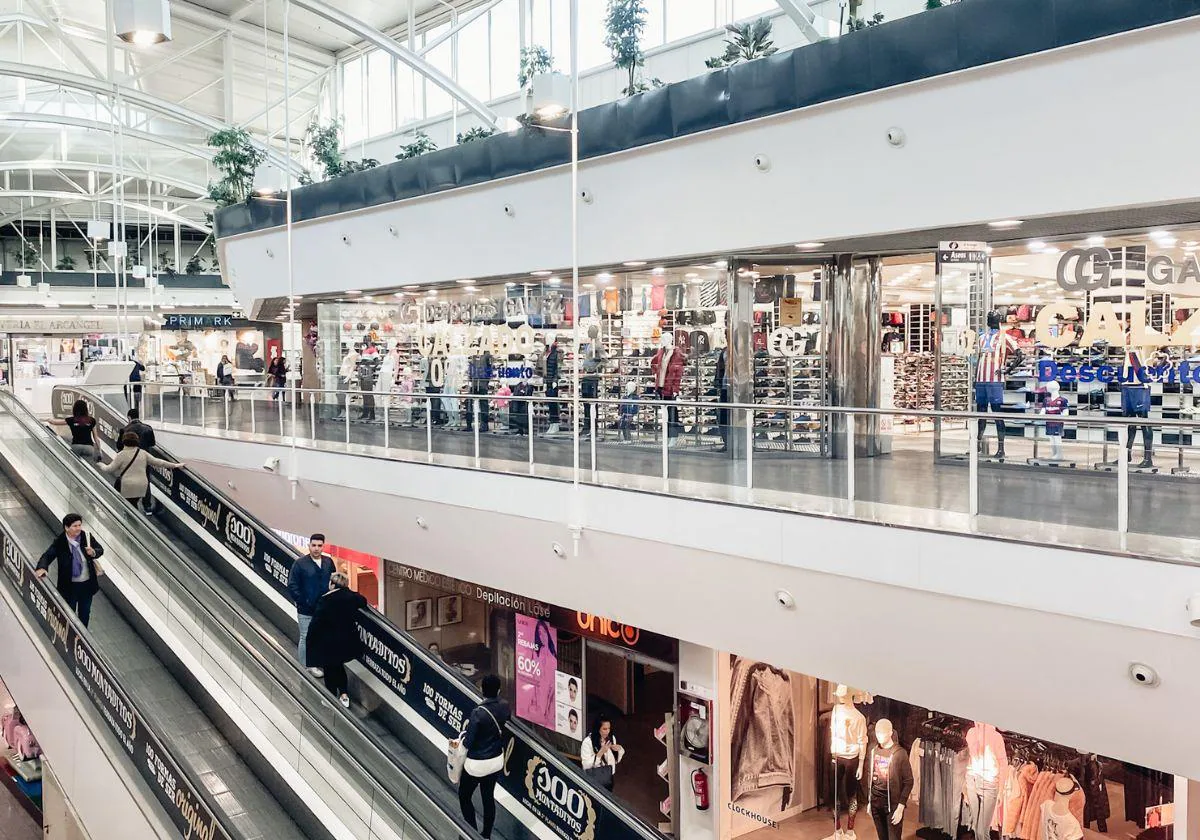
pixel 785 599
pixel 509 210
pixel 762 163
pixel 1143 675
pixel 896 136
pixel 271 464
pixel 1193 608
pixel 585 195
pixel 270 254
pixel 345 239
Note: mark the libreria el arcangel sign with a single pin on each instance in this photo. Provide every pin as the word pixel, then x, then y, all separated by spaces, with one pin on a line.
pixel 1091 270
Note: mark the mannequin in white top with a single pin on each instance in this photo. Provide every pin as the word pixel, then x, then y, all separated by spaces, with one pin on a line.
pixel 599 754
pixel 346 372
pixel 386 382
pixel 456 370
pixel 848 748
pixel 1058 823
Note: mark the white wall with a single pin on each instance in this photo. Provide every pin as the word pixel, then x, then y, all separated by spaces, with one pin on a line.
pixel 103 790
pixel 1031 137
pixel 1033 639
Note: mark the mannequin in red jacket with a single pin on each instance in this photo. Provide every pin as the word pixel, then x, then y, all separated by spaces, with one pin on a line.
pixel 667 368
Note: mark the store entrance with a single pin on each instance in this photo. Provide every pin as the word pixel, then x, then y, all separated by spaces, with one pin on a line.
pixel 635 693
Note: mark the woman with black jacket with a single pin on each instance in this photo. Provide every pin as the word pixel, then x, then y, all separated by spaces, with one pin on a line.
pixel 333 638
pixel 485 742
pixel 76 554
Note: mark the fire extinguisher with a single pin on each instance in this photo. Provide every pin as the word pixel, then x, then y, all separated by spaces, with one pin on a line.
pixel 700 789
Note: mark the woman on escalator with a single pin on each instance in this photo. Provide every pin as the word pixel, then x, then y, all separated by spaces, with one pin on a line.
pixel 131 466
pixel 84 442
pixel 333 638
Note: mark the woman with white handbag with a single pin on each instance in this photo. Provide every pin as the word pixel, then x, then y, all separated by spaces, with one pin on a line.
pixel 483 760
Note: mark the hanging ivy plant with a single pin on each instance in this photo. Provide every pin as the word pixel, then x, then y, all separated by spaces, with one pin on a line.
pixel 534 61
pixel 422 144
pixel 747 42
pixel 238 159
pixel 479 132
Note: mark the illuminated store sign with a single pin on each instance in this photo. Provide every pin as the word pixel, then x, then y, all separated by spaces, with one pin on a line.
pixel 1090 269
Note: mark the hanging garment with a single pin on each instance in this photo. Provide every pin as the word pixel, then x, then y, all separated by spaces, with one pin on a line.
pixel 763 730
pixel 1016 792
pixel 658 297
pixel 1090 774
pixel 710 293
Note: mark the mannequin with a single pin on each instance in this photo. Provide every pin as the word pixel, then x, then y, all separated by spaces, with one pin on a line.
pixel 987 767
pixel 1055 405
pixel 991 365
pixel 891 782
pixel 551 362
pixel 628 411
pixel 591 364
pixel 479 372
pixel 1135 401
pixel 454 372
pixel 346 372
pixel 1058 823
pixel 387 376
pixel 407 386
pixel 667 368
pixel 848 747
pixel 368 372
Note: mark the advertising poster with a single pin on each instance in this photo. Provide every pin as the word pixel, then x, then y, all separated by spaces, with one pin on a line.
pixel 537 664
pixel 568 702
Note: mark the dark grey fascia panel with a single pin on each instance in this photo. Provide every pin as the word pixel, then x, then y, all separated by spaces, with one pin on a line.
pixel 969 34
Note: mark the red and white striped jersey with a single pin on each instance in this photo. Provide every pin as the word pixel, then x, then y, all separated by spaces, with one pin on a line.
pixel 993 352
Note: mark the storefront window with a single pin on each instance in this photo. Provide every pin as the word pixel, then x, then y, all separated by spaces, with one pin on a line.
pixel 193 354
pixel 563 672
pixel 808 758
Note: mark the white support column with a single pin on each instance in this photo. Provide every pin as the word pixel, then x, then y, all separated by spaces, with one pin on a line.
pixel 53 238
pixel 227 86
pixel 178 251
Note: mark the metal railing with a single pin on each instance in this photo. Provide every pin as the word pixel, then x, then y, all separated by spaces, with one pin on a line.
pixel 1089 496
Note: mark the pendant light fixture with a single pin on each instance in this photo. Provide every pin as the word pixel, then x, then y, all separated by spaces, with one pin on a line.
pixel 142 22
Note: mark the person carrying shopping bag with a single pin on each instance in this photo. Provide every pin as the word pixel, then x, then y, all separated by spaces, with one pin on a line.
pixel 483 761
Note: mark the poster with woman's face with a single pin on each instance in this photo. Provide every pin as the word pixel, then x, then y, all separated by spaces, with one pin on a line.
pixel 537 662
pixel 567 722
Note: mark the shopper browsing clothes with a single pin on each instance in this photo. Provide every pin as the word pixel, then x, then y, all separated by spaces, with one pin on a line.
pixel 307 582
pixel 76 554
pixel 600 753
pixel 485 754
pixel 84 442
pixel 333 638
pixel 131 466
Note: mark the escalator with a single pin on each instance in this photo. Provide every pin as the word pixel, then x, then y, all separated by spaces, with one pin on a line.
pixel 407 703
pixel 228 799
pixel 256 733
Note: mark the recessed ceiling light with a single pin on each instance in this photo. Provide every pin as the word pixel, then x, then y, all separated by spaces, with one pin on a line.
pixel 721 264
pixel 1005 224
pixel 509 284
pixel 471 289
pixel 1037 245
pixel 354 291
pixel 603 277
pixel 691 275
pixel 541 273
pixel 634 263
pixel 810 245
pixel 1158 234
pixel 432 293
pixel 464 281
pixel 1095 241
pixel 554 281
pixel 658 269
pixel 411 286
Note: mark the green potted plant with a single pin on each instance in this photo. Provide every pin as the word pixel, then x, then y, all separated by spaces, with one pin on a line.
pixel 238 159
pixel 746 42
pixel 65 263
pixel 359 165
pixel 479 132
pixel 624 23
pixel 28 256
pixel 194 265
pixel 325 143
pixel 534 61
pixel 166 264
pixel 856 23
pixel 422 144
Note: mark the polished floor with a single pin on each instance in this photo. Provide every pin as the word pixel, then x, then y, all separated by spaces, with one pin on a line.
pixel 1059 504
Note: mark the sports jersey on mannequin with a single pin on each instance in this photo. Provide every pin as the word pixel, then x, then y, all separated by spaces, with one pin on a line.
pixel 848 749
pixel 993 351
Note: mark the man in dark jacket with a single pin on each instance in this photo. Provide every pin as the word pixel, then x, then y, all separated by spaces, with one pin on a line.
pixel 76 554
pixel 307 582
pixel 145 441
pixel 333 638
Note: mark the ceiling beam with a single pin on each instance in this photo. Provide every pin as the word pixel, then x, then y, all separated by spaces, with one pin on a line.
pixel 72 47
pixel 99 126
pixel 137 99
pixel 245 11
pixel 389 45
pixel 173 57
pixel 101 168
pixel 803 16
pixel 189 12
pixel 68 198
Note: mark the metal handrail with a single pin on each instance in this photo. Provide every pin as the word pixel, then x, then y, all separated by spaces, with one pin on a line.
pixel 102 493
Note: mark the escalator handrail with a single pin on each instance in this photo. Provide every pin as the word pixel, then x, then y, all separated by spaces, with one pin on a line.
pixel 518 728
pixel 182 770
pixel 103 493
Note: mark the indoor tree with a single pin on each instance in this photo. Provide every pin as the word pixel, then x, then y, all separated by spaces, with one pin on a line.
pixel 325 143
pixel 534 61
pixel 363 165
pixel 65 263
pixel 746 42
pixel 856 23
pixel 166 264
pixel 194 265
pixel 29 257
pixel 422 143
pixel 624 23
pixel 238 159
